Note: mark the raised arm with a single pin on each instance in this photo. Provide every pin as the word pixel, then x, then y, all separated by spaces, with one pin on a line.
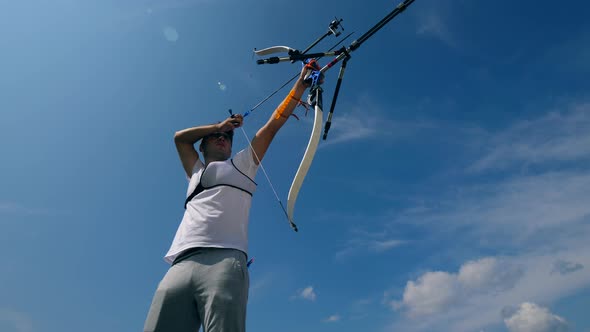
pixel 185 140
pixel 265 135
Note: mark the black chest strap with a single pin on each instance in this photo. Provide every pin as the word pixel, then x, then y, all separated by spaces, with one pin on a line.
pixel 199 189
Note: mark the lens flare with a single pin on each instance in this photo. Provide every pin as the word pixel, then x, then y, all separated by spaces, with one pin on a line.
pixel 171 34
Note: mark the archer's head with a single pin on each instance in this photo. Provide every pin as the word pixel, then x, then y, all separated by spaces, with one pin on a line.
pixel 217 146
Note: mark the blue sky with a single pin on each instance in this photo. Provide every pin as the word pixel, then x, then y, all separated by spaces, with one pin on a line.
pixel 453 193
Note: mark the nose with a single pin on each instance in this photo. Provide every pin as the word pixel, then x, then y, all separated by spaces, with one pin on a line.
pixel 221 138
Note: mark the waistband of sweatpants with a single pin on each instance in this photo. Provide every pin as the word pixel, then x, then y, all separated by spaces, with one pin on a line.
pixel 192 251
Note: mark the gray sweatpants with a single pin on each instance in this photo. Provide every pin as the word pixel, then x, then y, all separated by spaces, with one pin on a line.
pixel 209 289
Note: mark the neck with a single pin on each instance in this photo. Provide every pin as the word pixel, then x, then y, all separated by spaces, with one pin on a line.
pixel 210 159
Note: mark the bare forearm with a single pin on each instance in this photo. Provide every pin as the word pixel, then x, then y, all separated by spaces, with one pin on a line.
pixel 286 108
pixel 265 135
pixel 194 134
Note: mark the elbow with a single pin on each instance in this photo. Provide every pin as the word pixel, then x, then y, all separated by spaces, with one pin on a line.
pixel 177 137
pixel 182 138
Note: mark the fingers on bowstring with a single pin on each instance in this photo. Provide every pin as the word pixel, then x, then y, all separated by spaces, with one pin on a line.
pixel 238 121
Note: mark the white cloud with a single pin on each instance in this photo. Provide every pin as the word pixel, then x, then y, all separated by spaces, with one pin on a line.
pixel 380 246
pixel 307 293
pixel 261 284
pixel 489 274
pixel 362 308
pixel 431 293
pixel 11 208
pixel 477 273
pixel 524 204
pixel 438 291
pixel 540 215
pixel 554 137
pixel 332 319
pixel 367 119
pixel 513 211
pixel 352 127
pixel 477 295
pixel 15 321
pixel 431 22
pixel 529 317
pixel 520 203
pixel 170 34
pixel 519 206
pixel 363 242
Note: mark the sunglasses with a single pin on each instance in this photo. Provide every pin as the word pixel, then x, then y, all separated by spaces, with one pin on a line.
pixel 226 136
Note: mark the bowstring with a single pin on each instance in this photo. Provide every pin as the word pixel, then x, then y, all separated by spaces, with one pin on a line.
pixel 268 179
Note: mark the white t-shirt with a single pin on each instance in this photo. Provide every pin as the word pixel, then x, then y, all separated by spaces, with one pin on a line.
pixel 218 216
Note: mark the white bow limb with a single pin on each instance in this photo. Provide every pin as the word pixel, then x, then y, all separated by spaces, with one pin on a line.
pixel 305 162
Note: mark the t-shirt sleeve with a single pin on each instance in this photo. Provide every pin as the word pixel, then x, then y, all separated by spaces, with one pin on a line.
pixel 198 166
pixel 244 161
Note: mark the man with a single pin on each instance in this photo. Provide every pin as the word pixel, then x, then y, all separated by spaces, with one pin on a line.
pixel 207 284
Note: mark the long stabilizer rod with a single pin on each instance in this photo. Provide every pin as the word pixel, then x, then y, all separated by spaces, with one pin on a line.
pixel 294 55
